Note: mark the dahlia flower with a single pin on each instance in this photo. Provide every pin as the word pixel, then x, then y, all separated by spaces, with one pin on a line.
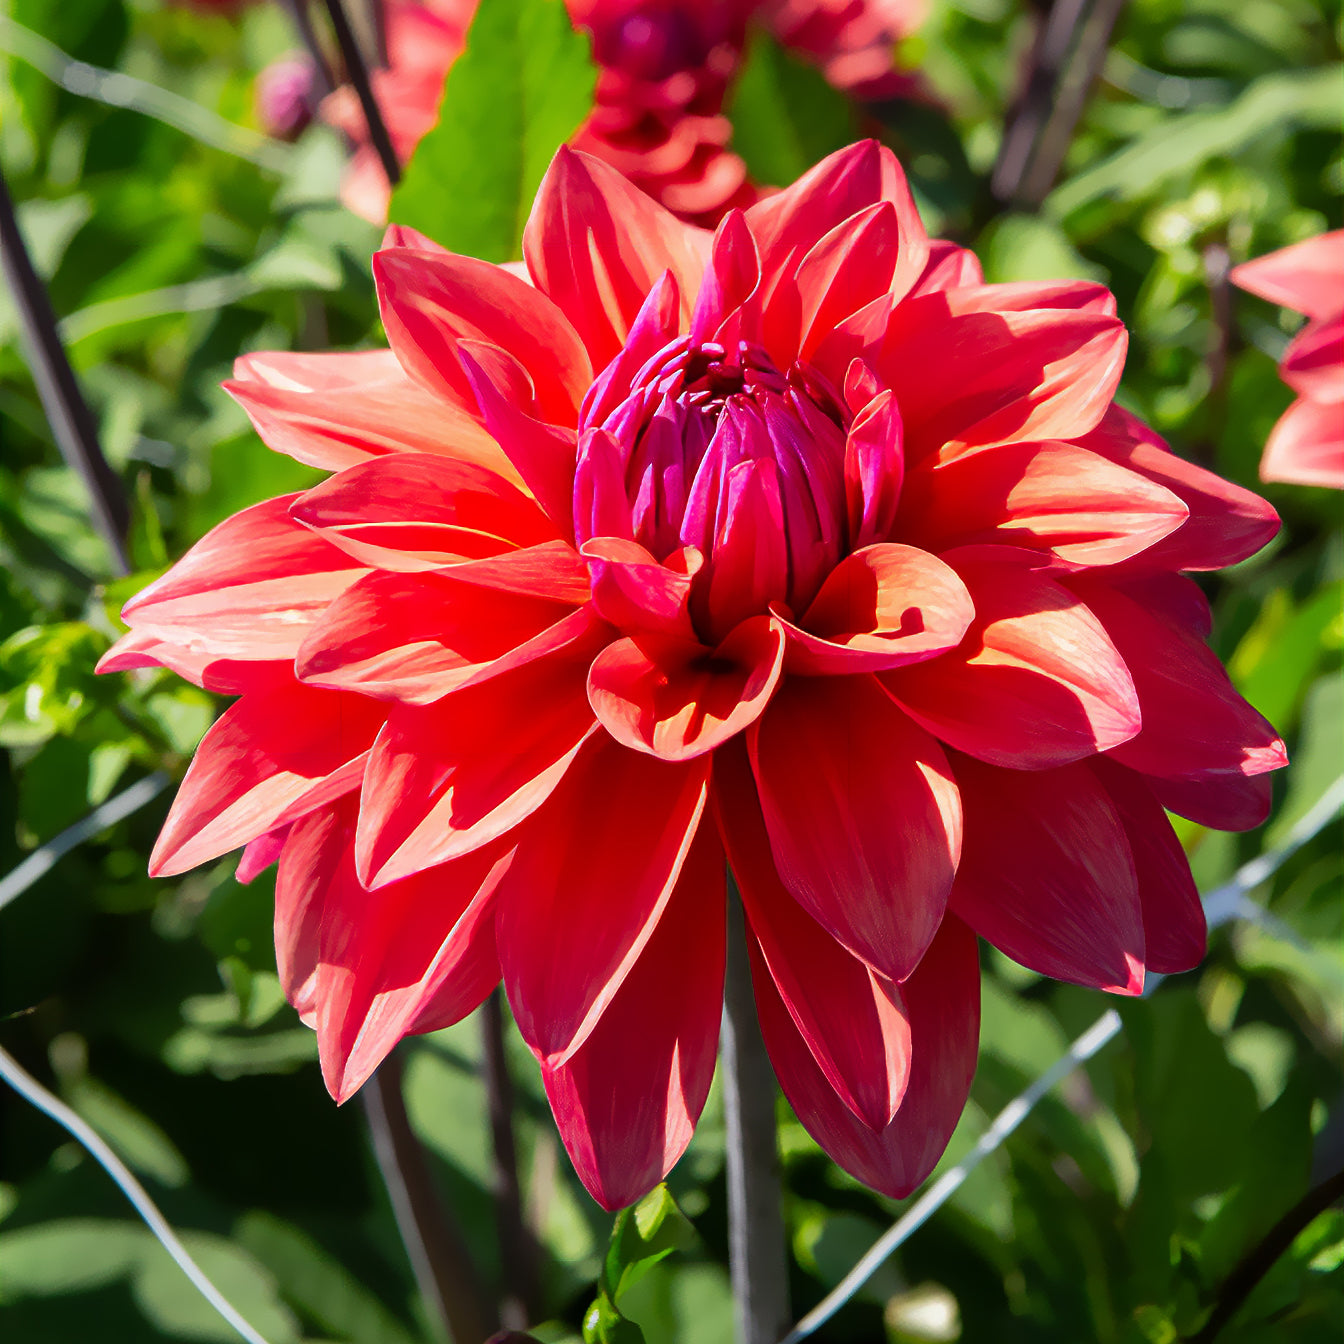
pixel 794 547
pixel 1306 447
pixel 664 71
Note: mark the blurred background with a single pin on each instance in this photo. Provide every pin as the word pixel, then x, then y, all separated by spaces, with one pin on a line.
pixel 180 215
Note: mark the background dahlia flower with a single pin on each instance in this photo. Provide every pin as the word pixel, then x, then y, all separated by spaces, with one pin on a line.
pixel 795 546
pixel 1306 447
pixel 664 70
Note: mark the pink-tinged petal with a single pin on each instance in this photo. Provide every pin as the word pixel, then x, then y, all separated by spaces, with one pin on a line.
pixel 853 1020
pixel 677 700
pixel 430 303
pixel 638 595
pixel 1046 874
pixel 1313 364
pixel 259 854
pixel 966 371
pixel 729 284
pixel 1195 725
pixel 601 502
pixel 414 638
pixel 948 267
pixel 590 880
pixel 942 1002
pixel 596 245
pixel 1036 682
pixel 874 458
pixel 250 588
pixel 1307 277
pixel 225 676
pixel 1224 802
pixel 836 762
pixel 307 868
pixel 542 454
pixel 415 512
pixel 554 571
pixel 412 956
pixel 1306 447
pixel 402 235
pixel 657 323
pixel 268 759
pixel 1175 932
pixel 790 223
pixel 1226 523
pixel 364 407
pixel 885 606
pixel 1053 497
pixel 447 778
pixel 627 1100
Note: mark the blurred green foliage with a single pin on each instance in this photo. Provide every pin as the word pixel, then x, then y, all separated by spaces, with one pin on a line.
pixel 1122 1205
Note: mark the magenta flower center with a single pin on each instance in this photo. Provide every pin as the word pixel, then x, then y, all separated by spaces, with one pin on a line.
pixel 720 451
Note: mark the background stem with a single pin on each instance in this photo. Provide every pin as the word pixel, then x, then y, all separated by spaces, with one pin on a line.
pixel 448 1281
pixel 756 1242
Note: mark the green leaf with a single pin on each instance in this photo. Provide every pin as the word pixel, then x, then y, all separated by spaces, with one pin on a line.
pixel 785 115
pixel 643 1235
pixel 518 92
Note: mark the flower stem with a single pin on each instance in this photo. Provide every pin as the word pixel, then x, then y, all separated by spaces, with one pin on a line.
pixel 67 412
pixel 303 24
pixel 357 71
pixel 448 1281
pixel 755 1216
pixel 517 1247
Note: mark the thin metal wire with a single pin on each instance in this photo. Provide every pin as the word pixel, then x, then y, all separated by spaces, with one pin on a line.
pixel 1222 905
pixel 31 1090
pixel 41 861
pixel 119 90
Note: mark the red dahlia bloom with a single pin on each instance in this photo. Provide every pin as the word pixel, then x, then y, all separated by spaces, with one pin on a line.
pixel 1306 447
pixel 796 544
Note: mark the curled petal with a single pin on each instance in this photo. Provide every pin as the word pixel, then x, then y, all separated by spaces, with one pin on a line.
pixel 874 459
pixel 588 886
pixel 1037 681
pixel 224 676
pixel 835 761
pixel 723 308
pixel 270 757
pixel 1047 875
pixel 626 1101
pixel 554 571
pixel 853 1020
pixel 882 607
pixel 942 1002
pixel 677 700
pixel 635 593
pixel 430 302
pixel 1053 497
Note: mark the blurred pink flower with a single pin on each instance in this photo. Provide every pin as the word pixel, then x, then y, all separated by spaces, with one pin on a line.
pixel 795 544
pixel 1306 447
pixel 283 96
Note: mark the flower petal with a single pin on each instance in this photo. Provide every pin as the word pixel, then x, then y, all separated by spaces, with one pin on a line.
pixel 835 762
pixel 430 302
pixel 413 511
pixel 1307 276
pixel 447 778
pixel 678 700
pixel 1306 447
pixel 1036 682
pixel 627 1100
pixel 250 588
pixel 587 888
pixel 414 638
pixel 1046 874
pixel 853 1021
pixel 882 607
pixel 635 593
pixel 942 1001
pixel 596 245
pixel 1175 932
pixel 269 758
pixel 1053 497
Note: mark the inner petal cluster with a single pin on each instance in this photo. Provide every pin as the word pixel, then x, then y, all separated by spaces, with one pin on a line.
pixel 717 453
